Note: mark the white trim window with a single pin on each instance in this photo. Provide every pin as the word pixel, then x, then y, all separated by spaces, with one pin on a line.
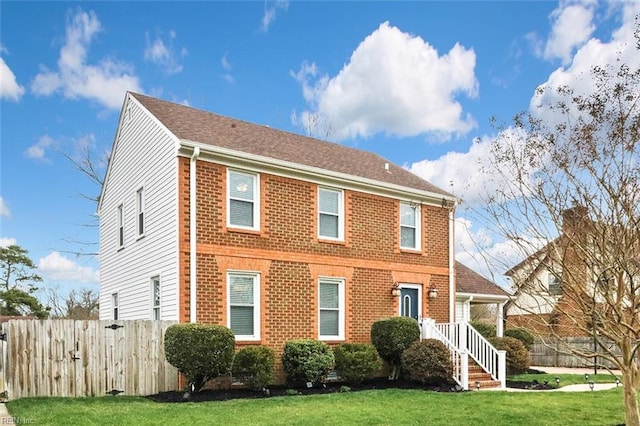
pixel 140 211
pixel 120 225
pixel 330 214
pixel 243 304
pixel 409 226
pixel 155 298
pixel 115 305
pixel 331 309
pixel 243 200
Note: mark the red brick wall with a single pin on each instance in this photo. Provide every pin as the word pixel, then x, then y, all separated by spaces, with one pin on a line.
pixel 289 257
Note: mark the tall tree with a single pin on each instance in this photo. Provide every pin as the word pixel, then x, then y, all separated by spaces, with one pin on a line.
pixel 18 284
pixel 571 201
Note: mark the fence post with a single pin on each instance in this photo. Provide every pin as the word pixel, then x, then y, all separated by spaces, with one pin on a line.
pixel 464 368
pixel 502 368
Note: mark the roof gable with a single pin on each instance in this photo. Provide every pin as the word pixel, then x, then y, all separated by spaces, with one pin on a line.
pixel 190 124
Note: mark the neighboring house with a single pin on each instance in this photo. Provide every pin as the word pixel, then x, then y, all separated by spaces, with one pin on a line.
pixel 277 236
pixel 474 289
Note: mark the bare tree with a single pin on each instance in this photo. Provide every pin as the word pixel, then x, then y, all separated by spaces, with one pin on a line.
pixel 78 304
pixel 571 205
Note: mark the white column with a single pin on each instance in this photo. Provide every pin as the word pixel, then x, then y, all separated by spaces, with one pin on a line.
pixel 500 319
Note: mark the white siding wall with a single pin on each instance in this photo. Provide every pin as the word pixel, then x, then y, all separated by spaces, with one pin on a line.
pixel 144 156
pixel 536 300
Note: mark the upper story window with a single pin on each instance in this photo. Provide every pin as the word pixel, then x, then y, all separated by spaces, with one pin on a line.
pixel 243 202
pixel 409 226
pixel 155 298
pixel 120 224
pixel 330 214
pixel 331 315
pixel 555 285
pixel 244 304
pixel 140 211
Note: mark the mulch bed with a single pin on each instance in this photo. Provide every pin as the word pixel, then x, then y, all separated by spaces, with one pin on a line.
pixel 331 387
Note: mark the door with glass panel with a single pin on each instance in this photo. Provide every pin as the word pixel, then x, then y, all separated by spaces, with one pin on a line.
pixel 409 306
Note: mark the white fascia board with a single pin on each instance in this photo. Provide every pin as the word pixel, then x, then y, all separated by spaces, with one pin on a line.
pixel 258 163
pixel 478 297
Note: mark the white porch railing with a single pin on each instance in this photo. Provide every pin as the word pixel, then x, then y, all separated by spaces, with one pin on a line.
pixel 463 340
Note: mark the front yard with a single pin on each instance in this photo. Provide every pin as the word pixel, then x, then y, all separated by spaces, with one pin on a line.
pixel 374 407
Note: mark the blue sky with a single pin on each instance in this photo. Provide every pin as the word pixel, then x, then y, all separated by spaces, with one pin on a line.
pixel 416 82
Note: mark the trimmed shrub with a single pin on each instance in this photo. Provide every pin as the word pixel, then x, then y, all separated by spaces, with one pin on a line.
pixel 253 366
pixel 521 334
pixel 429 362
pixel 356 362
pixel 518 360
pixel 307 360
pixel 391 337
pixel 200 351
pixel 486 330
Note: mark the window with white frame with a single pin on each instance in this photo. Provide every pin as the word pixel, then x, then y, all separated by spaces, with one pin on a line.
pixel 331 315
pixel 155 298
pixel 409 226
pixel 244 304
pixel 120 224
pixel 243 204
pixel 114 305
pixel 140 211
pixel 330 214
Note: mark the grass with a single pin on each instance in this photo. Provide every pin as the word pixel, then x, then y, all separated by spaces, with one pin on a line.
pixel 566 379
pixel 375 407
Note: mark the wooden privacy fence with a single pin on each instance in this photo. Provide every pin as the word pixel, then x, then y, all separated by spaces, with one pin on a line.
pixel 552 352
pixel 84 358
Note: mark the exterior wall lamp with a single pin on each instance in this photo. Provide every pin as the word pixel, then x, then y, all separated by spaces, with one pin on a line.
pixel 433 292
pixel 395 291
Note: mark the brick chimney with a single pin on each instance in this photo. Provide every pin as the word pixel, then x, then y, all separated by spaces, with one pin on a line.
pixel 574 219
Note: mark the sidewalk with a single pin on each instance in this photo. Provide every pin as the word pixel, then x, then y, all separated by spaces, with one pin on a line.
pixel 4 415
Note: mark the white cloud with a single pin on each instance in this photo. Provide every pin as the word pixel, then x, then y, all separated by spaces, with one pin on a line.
pixel 164 55
pixel 4 208
pixel 572 27
pixel 394 83
pixel 270 10
pixel 38 151
pixel 9 87
pixel 6 242
pixel 56 267
pixel 226 66
pixel 104 82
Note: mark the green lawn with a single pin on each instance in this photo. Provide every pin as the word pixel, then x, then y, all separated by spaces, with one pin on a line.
pixel 566 379
pixel 375 407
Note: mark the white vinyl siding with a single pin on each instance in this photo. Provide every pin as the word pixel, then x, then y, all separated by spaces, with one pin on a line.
pixel 140 211
pixel 243 200
pixel 244 304
pixel 409 226
pixel 155 298
pixel 143 152
pixel 331 315
pixel 330 214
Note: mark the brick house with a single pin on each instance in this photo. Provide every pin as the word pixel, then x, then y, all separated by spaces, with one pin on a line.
pixel 278 236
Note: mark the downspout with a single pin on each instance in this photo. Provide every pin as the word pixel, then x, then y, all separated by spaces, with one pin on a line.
pixel 192 235
pixel 452 274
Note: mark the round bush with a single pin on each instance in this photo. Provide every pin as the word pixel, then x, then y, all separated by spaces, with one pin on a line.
pixel 521 334
pixel 391 337
pixel 518 360
pixel 307 360
pixel 200 351
pixel 429 362
pixel 486 330
pixel 253 366
pixel 356 362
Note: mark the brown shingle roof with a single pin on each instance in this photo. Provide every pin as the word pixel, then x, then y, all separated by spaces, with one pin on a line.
pixel 204 127
pixel 469 281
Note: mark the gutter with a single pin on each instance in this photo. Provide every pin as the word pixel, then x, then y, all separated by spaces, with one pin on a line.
pixel 192 236
pixel 452 273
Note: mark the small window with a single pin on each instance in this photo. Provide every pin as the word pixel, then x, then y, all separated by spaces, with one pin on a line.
pixel 244 305
pixel 155 298
pixel 114 305
pixel 140 211
pixel 331 309
pixel 330 214
pixel 120 225
pixel 242 200
pixel 409 226
pixel 555 285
